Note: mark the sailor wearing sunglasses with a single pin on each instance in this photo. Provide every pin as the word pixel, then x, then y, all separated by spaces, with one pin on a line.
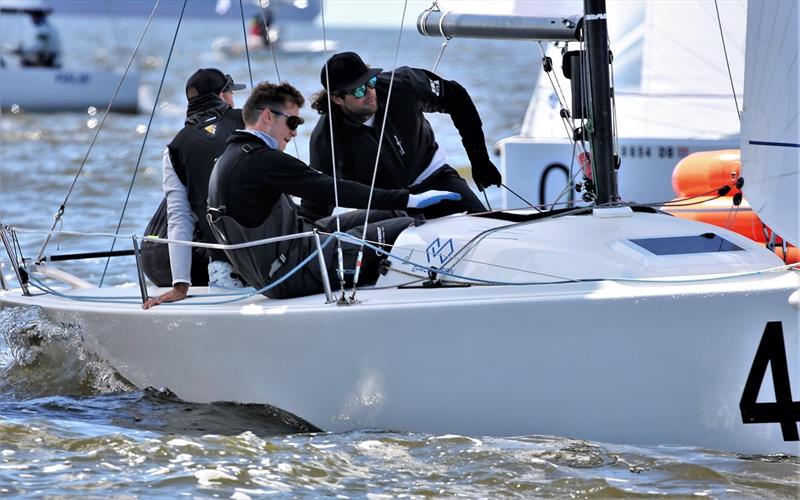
pixel 249 198
pixel 410 157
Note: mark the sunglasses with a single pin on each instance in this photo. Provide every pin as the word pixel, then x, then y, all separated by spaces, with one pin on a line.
pixel 361 90
pixel 228 83
pixel 292 121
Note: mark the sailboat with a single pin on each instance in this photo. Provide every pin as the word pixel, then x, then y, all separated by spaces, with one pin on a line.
pixel 41 88
pixel 611 322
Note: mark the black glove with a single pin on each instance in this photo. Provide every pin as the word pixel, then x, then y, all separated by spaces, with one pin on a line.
pixel 484 173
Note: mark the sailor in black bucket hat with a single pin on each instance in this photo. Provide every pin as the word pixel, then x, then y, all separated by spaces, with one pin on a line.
pixel 187 163
pixel 410 157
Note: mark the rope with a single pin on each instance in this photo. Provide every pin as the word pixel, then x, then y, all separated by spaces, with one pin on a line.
pixel 378 155
pixel 144 140
pixel 63 205
pixel 521 198
pixel 727 62
pixel 246 48
pixel 559 92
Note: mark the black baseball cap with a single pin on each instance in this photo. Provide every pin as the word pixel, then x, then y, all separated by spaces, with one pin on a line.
pixel 348 71
pixel 210 81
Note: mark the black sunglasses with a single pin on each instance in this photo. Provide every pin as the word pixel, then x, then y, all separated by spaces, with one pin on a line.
pixel 292 121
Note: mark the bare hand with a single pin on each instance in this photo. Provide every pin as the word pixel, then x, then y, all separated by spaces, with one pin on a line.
pixel 177 293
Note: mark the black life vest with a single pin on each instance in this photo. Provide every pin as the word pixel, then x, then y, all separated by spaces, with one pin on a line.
pixel 262 265
pixel 195 150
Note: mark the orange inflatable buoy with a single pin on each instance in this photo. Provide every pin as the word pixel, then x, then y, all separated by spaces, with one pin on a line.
pixel 792 254
pixel 704 172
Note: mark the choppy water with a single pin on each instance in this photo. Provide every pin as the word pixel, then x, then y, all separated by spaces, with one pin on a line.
pixel 69 425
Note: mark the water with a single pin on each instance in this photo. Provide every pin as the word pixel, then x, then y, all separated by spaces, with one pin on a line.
pixel 69 425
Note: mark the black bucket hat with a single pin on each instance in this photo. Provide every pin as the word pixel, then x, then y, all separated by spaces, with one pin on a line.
pixel 210 81
pixel 348 71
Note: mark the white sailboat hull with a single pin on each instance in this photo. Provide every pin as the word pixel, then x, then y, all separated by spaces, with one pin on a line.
pixel 626 362
pixel 50 89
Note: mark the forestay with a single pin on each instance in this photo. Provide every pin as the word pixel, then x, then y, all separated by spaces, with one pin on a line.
pixel 771 121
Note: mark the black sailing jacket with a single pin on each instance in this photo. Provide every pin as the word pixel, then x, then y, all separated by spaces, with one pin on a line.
pixel 409 142
pixel 248 197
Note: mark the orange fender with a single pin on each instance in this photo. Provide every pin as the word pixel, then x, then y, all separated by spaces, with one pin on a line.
pixel 703 172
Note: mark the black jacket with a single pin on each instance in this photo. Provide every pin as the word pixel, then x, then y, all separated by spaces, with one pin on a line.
pixel 408 144
pixel 248 197
pixel 197 146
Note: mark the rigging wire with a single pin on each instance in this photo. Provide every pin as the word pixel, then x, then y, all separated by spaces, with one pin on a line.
pixel 246 47
pixel 59 214
pixel 561 96
pixel 340 256
pixel 271 45
pixel 378 154
pixel 445 39
pixel 144 140
pixel 727 62
pixel 274 59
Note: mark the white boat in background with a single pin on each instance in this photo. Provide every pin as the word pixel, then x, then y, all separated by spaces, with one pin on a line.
pixel 38 88
pixel 612 323
pixel 673 98
pixel 227 47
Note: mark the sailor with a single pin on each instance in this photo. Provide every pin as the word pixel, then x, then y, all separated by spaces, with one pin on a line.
pixel 186 165
pixel 410 157
pixel 249 199
pixel 45 50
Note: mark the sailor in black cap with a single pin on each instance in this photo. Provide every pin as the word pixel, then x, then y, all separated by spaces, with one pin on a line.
pixel 410 157
pixel 187 164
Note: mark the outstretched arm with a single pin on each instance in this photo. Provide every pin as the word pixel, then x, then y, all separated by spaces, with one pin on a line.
pixel 180 226
pixel 448 96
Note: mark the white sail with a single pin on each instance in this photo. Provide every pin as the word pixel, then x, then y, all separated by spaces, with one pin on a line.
pixel 670 73
pixel 771 121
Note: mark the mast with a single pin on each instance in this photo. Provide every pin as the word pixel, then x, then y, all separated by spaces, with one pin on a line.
pixel 595 31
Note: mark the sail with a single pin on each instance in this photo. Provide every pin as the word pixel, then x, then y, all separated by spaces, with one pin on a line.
pixel 771 121
pixel 670 74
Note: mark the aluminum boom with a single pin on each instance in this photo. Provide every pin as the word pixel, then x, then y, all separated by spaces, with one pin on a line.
pixel 455 25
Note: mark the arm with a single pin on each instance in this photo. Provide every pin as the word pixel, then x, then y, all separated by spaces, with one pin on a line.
pixel 180 226
pixel 448 96
pixel 290 175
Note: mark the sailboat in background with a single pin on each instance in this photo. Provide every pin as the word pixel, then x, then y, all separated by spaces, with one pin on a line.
pixel 265 35
pixel 610 322
pixel 41 88
pixel 673 97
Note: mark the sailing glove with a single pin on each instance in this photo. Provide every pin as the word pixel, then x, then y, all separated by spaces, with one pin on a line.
pixel 484 173
pixel 428 198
